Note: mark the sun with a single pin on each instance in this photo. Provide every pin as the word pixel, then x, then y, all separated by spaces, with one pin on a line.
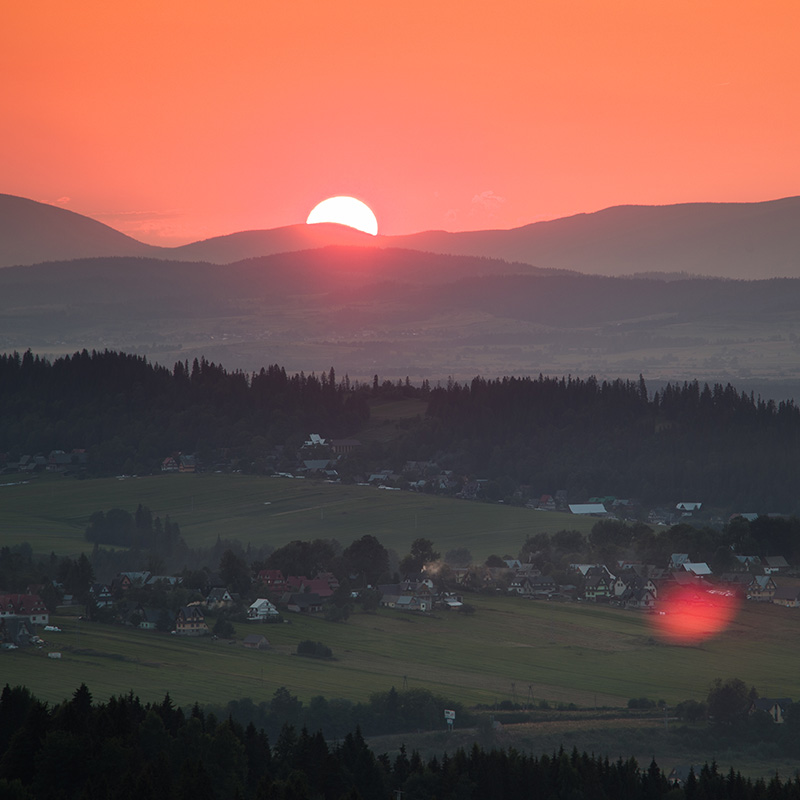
pixel 345 211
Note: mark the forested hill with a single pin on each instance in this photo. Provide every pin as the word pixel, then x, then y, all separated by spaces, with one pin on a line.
pixel 130 414
pixel 525 436
pixel 591 438
pixel 125 749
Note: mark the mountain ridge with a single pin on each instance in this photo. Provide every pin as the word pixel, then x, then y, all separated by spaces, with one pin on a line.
pixel 734 240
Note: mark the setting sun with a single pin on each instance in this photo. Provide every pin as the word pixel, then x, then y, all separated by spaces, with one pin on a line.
pixel 345 211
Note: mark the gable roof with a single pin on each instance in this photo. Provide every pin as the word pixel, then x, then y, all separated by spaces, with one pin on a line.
pixel 697 567
pixel 587 508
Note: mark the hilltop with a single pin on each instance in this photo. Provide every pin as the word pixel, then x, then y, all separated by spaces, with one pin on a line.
pixel 731 240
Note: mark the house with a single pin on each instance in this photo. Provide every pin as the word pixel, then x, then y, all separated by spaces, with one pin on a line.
pixel 413 603
pixel 262 610
pixel 641 599
pixel 540 585
pixel 126 580
pixel 14 630
pixel 303 603
pixel 629 580
pixel 343 447
pixel 776 707
pixel 318 586
pixel 587 569
pixel 219 597
pixel 101 594
pixel 775 564
pixel 546 503
pixel 165 581
pixel 294 583
pixel 761 587
pixel 400 596
pixel 149 618
pixel 255 642
pixel 588 509
pixel 521 586
pixel 697 567
pixel 28 606
pixel 273 579
pixel 169 464
pixel 687 509
pixel 598 586
pixel 330 578
pixel 190 622
pixel 788 597
pixel 187 464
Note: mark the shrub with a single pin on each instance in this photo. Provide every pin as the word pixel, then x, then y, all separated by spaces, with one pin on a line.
pixel 641 702
pixel 313 649
pixel 691 711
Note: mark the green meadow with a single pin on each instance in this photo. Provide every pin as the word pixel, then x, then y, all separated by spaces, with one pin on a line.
pixel 51 512
pixel 508 649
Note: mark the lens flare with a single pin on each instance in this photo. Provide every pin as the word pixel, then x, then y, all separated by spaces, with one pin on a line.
pixel 691 614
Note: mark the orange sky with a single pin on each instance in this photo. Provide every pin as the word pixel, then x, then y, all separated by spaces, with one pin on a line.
pixel 175 121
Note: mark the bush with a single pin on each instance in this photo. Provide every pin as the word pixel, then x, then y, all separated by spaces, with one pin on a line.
pixel 641 703
pixel 223 628
pixel 691 711
pixel 313 649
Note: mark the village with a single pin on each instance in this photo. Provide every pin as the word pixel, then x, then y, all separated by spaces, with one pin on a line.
pixel 153 602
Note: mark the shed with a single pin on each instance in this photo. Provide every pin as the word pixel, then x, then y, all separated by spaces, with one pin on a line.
pixel 255 642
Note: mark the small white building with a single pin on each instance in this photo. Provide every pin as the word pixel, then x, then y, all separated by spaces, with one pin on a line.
pixel 262 611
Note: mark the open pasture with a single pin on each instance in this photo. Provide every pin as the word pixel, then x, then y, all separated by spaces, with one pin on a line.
pixel 52 512
pixel 509 649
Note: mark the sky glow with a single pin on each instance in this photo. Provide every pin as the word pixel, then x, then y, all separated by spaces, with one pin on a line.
pixel 180 121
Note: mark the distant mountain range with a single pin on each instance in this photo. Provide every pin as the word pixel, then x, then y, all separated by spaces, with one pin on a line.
pixel 731 240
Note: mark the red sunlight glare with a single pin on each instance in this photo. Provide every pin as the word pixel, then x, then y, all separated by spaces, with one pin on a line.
pixel 691 614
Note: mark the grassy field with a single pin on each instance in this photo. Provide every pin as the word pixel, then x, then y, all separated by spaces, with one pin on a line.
pixel 51 512
pixel 510 648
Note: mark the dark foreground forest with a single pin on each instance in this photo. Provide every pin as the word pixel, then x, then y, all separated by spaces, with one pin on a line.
pixel 123 749
pixel 525 437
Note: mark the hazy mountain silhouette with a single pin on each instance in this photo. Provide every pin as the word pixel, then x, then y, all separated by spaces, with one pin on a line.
pixel 414 284
pixel 407 313
pixel 736 240
pixel 732 240
pixel 32 232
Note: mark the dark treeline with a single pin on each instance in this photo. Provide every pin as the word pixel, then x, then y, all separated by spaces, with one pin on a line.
pixel 124 410
pixel 384 713
pixel 527 436
pixel 120 528
pixel 597 438
pixel 128 749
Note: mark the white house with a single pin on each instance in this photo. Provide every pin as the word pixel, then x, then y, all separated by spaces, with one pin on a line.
pixel 262 610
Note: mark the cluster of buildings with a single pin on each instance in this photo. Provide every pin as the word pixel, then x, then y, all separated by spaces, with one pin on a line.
pixel 638 586
pixel 54 461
